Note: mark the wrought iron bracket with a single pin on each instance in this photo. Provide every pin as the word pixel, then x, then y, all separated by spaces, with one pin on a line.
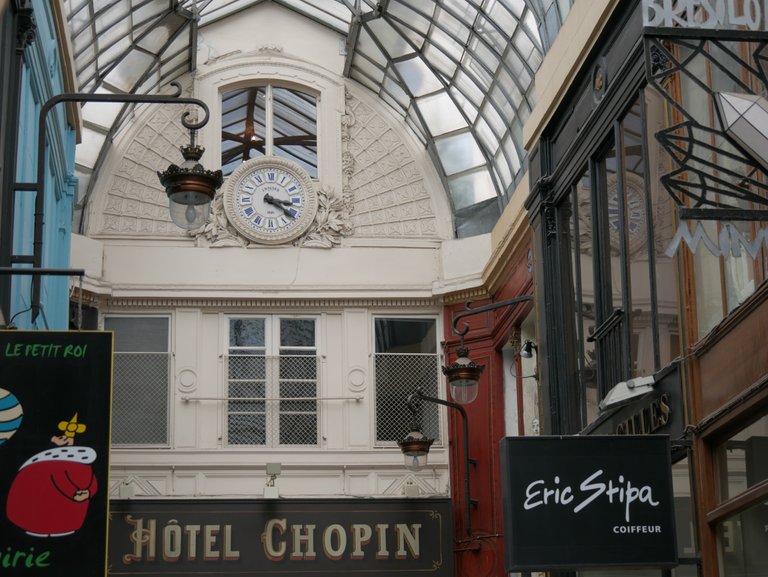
pixel 482 309
pixel 38 187
pixel 412 402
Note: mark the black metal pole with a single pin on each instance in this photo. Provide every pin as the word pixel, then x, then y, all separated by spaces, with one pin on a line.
pixel 39 186
pixel 467 499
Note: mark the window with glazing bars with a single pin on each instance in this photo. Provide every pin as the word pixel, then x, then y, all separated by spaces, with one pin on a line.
pixel 268 121
pixel 405 360
pixel 272 382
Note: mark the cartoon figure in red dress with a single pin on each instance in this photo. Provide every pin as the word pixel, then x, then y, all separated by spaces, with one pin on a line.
pixel 50 495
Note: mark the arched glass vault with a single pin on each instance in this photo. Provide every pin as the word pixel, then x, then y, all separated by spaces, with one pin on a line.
pixel 459 72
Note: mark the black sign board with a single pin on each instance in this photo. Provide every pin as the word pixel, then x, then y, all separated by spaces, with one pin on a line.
pixel 404 537
pixel 55 390
pixel 588 502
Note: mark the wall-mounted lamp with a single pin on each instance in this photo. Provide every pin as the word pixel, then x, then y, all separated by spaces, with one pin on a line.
pixel 271 490
pixel 415 446
pixel 190 187
pixel 463 374
pixel 528 348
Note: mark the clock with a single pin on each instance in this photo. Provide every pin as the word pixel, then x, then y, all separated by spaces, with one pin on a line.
pixel 270 200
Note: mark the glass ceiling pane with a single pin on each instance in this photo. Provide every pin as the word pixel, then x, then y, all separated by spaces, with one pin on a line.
pixel 394 44
pixel 88 150
pixel 370 70
pixel 459 153
pixel 101 114
pixel 392 88
pixel 419 79
pixel 440 62
pixel 453 32
pixel 440 114
pixel 461 101
pixel 469 189
pixel 366 45
pixel 503 170
pixel 126 74
pixel 411 24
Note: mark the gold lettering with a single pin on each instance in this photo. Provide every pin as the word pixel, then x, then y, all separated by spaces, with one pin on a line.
pixel 172 541
pixel 210 532
pixel 381 538
pixel 229 553
pixel 407 535
pixel 361 535
pixel 142 539
pixel 192 532
pixel 334 553
pixel 274 553
pixel 307 538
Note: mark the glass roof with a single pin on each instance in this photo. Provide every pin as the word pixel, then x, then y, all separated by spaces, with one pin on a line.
pixel 459 72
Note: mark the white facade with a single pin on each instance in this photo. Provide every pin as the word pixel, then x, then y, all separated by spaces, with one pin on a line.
pixel 395 259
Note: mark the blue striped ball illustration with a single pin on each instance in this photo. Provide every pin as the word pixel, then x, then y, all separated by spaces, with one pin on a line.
pixel 11 414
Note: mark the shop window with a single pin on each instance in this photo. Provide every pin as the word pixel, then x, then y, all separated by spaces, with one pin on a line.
pixel 272 365
pixel 621 284
pixel 742 467
pixel 141 377
pixel 268 121
pixel 722 278
pixel 405 360
pixel 741 459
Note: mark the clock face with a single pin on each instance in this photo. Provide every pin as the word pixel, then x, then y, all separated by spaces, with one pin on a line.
pixel 270 200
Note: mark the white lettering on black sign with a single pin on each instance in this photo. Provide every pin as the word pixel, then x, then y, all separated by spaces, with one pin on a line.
pixel 621 491
pixel 706 14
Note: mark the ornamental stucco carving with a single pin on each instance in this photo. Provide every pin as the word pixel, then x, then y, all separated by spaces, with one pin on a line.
pixel 390 196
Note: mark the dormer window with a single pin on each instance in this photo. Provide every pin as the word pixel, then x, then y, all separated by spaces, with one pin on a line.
pixel 268 121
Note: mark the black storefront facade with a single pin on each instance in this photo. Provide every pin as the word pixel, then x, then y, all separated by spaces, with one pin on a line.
pixel 638 198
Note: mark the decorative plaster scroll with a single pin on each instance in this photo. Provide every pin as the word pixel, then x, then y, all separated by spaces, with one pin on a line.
pixel 331 223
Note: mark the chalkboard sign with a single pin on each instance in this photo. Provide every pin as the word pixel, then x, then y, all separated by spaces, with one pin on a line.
pixel 55 391
pixel 588 502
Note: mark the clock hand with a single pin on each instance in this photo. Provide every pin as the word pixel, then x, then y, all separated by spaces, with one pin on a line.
pixel 268 198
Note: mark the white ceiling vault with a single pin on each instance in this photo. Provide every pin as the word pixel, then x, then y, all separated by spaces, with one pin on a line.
pixel 459 72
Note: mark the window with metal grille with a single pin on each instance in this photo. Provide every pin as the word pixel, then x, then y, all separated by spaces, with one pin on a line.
pixel 272 382
pixel 141 377
pixel 405 360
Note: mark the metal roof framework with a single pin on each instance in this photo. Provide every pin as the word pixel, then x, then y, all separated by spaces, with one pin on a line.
pixel 459 72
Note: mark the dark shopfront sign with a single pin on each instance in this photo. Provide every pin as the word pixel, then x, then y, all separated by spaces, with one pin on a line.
pixel 751 15
pixel 403 537
pixel 55 390
pixel 659 412
pixel 588 502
